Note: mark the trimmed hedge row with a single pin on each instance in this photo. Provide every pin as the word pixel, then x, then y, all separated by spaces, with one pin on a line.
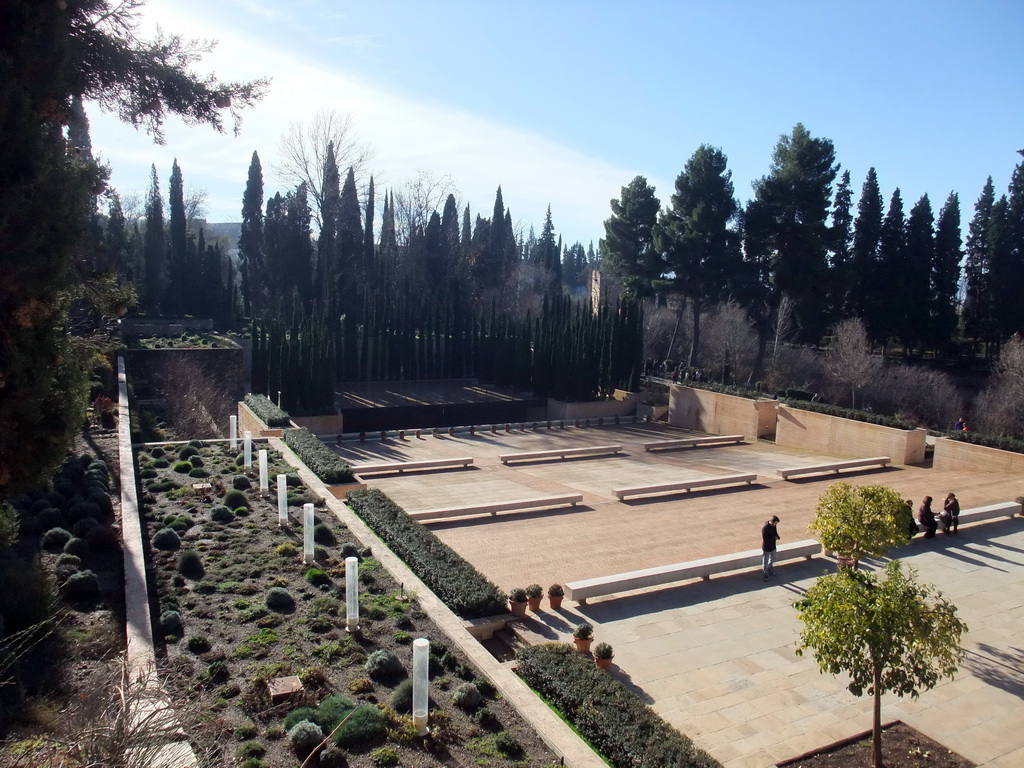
pixel 628 733
pixel 881 420
pixel 458 584
pixel 999 442
pixel 267 412
pixel 321 460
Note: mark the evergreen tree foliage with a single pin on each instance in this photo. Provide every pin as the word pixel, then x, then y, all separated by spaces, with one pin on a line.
pixel 349 262
pixel 327 266
pixel 891 273
pixel 978 320
pixel 154 252
pixel 627 250
pixel 251 257
pixel 916 259
pixel 1008 268
pixel 944 280
pixel 548 257
pixel 868 286
pixel 180 277
pixel 366 267
pixel 842 286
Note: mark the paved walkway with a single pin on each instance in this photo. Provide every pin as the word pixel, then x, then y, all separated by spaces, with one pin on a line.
pixel 716 658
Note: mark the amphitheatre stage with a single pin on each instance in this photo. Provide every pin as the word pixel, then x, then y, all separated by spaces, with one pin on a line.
pixel 716 658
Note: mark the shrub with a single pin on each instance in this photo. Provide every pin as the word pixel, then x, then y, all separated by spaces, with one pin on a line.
pixel 384 757
pixel 187 452
pixel 197 462
pixel 221 514
pixel 583 630
pixel 517 595
pixel 82 585
pixel 66 559
pixel 348 549
pixel 458 584
pixel 184 467
pixel 534 591
pixel 274 732
pixel 84 525
pixel 166 539
pixel 245 731
pixel 251 749
pixel 198 472
pixel 76 546
pixel 603 651
pixel 56 538
pixel 198 644
pixel 367 724
pixel 297 716
pixel 279 599
pixel 103 537
pixel 320 459
pixel 383 664
pixel 287 549
pixel 267 412
pixel 171 623
pixel 332 756
pixel 305 736
pixel 332 711
pixel 51 517
pixel 506 744
pixel 485 686
pixel 162 486
pixel 179 524
pixel 317 577
pixel 234 499
pixel 322 534
pixel 556 590
pixel 190 564
pixel 401 697
pixel 241 483
pixel 467 697
pixel 83 509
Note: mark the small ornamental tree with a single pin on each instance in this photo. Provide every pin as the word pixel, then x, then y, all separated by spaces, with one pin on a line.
pixel 855 522
pixel 886 633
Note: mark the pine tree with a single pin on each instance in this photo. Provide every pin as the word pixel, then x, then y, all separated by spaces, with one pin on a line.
pixel 978 320
pixel 250 242
pixel 547 256
pixel 840 249
pixel 945 274
pixel 916 261
pixel 627 250
pixel 891 275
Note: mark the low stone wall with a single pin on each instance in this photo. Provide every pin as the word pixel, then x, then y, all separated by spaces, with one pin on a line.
pixel 954 454
pixel 321 425
pixel 250 422
pixel 624 404
pixel 836 436
pixel 719 414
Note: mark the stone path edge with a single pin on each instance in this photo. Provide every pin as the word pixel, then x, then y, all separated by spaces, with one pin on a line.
pixel 559 736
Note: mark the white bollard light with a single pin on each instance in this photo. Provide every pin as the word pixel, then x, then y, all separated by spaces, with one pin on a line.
pixel 282 499
pixel 248 450
pixel 234 432
pixel 352 594
pixel 264 477
pixel 420 682
pixel 307 533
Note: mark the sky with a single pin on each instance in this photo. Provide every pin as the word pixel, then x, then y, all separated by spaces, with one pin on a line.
pixel 563 103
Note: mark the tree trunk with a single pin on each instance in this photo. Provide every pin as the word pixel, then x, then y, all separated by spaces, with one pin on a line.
pixel 876 726
pixel 675 330
pixel 695 342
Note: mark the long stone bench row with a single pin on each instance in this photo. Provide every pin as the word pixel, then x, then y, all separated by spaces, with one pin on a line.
pixel 693 442
pixel 562 453
pixel 835 467
pixel 405 466
pixel 683 485
pixel 704 568
pixel 543 502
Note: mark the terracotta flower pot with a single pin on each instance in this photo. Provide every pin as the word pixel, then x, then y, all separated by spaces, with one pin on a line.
pixel 533 603
pixel 517 609
pixel 604 664
pixel 583 643
pixel 555 601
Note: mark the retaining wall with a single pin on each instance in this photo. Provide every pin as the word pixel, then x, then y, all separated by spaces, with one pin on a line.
pixel 719 414
pixel 954 454
pixel 624 404
pixel 836 436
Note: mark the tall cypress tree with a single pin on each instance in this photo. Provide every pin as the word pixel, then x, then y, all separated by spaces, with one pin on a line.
pixel 368 241
pixel 327 264
pixel 154 252
pixel 250 242
pixel 978 320
pixel 1009 307
pixel 840 249
pixel 891 276
pixel 350 238
pixel 868 293
pixel 945 274
pixel 916 259
pixel 180 281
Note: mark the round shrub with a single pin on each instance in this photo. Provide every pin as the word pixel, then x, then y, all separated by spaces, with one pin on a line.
pixel 317 577
pixel 187 452
pixel 197 462
pixel 82 585
pixel 162 486
pixel 171 623
pixel 252 749
pixel 103 537
pixel 322 534
pixel 467 697
pixel 305 737
pixel 102 500
pixel 83 509
pixel 279 599
pixel 84 525
pixel 156 452
pixel 401 697
pixel 198 472
pixel 67 559
pixel 64 572
pixel 383 664
pixel 30 525
pixel 348 549
pixel 241 483
pixel 57 499
pixel 221 514
pixel 297 716
pixel 235 499
pixel 77 546
pixel 51 517
pixel 367 724
pixel 56 538
pixel 197 644
pixel 332 711
pixel 506 744
pixel 385 757
pixel 190 564
pixel 183 467
pixel 148 473
pixel 287 549
pixel 166 539
pixel 332 757
pixel 205 588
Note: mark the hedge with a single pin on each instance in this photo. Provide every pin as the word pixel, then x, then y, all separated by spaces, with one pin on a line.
pixel 615 721
pixel 267 412
pixel 896 422
pixel 457 584
pixel 321 460
pixel 1000 442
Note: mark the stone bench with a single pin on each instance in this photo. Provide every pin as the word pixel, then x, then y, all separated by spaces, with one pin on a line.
pixel 404 466
pixel 683 485
pixel 693 442
pixel 543 502
pixel 580 591
pixel 835 467
pixel 562 453
pixel 988 512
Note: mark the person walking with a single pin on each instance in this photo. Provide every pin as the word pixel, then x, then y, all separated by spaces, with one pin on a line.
pixel 926 518
pixel 769 535
pixel 951 512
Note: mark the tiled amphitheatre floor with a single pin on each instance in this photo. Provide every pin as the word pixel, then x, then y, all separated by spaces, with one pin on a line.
pixel 716 658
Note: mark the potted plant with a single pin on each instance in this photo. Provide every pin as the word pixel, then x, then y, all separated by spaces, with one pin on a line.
pixel 555 595
pixel 603 655
pixel 517 601
pixel 855 522
pixel 583 636
pixel 534 593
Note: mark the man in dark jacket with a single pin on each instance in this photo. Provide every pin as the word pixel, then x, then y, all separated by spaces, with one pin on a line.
pixel 769 535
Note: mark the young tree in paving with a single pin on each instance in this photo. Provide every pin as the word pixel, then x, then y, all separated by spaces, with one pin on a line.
pixel 855 522
pixel 848 359
pixel 887 632
pixel 627 249
pixel 701 247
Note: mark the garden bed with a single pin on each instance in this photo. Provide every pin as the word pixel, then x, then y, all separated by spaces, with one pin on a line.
pixel 238 608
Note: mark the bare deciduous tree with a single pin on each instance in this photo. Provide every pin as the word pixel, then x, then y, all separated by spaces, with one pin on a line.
pixel 417 199
pixel 1000 408
pixel 848 360
pixel 196 401
pixel 303 150
pixel 728 340
pixel 917 393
